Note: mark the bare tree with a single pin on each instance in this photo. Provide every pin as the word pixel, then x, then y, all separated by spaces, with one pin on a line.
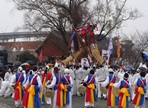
pixel 140 41
pixel 110 14
pixel 63 15
pixel 131 48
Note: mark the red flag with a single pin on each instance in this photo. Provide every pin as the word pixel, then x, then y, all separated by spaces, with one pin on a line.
pixel 41 56
pixel 118 48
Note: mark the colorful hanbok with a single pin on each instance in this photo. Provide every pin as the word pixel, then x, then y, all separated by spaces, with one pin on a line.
pixel 58 87
pixel 33 87
pixel 68 83
pixel 90 96
pixel 110 80
pixel 140 91
pixel 124 93
pixel 18 93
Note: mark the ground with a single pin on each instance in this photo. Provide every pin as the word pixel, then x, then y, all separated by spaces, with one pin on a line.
pixel 78 102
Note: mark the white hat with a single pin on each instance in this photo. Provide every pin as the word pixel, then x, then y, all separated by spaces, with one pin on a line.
pixel 66 71
pixel 20 68
pixel 110 70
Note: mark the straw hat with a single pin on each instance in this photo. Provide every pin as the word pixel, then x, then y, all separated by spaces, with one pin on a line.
pixel 115 91
pixel 81 89
pixel 49 93
pixel 103 90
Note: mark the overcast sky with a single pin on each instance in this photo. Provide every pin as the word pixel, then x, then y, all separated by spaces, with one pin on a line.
pixel 11 18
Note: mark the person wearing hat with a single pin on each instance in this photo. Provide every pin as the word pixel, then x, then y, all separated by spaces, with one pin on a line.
pixel 19 80
pixel 90 95
pixel 77 73
pixel 101 74
pixel 58 87
pixel 5 83
pixel 46 77
pixel 110 80
pixel 68 84
pixel 124 93
pixel 33 87
pixel 140 91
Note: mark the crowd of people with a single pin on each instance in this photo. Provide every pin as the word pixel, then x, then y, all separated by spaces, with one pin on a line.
pixel 27 86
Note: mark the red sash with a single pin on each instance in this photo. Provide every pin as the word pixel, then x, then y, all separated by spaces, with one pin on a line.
pixel 121 95
pixel 88 90
pixel 137 93
pixel 59 89
pixel 26 94
pixel 110 90
pixel 17 94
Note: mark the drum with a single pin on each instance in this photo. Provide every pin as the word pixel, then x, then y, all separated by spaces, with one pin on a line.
pixel 49 93
pixel 103 90
pixel 115 91
pixel 81 89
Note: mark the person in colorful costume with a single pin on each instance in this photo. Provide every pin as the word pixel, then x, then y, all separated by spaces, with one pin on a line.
pixel 58 87
pixel 140 91
pixel 109 82
pixel 19 80
pixel 33 88
pixel 46 76
pixel 90 95
pixel 68 84
pixel 124 93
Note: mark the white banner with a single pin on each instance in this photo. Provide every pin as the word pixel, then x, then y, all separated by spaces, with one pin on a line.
pixel 105 55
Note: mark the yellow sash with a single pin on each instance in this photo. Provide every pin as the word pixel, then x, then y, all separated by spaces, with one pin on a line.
pixel 141 92
pixel 20 90
pixel 31 97
pixel 125 94
pixel 92 87
pixel 112 96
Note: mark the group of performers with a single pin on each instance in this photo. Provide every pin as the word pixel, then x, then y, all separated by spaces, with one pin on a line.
pixel 29 87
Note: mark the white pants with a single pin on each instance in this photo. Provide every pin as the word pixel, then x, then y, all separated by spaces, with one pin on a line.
pixel 4 86
pixel 99 92
pixel 8 92
pixel 74 87
pixel 77 85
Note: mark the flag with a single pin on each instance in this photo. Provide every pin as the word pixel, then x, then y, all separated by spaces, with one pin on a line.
pixel 118 48
pixel 110 47
pixel 41 56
